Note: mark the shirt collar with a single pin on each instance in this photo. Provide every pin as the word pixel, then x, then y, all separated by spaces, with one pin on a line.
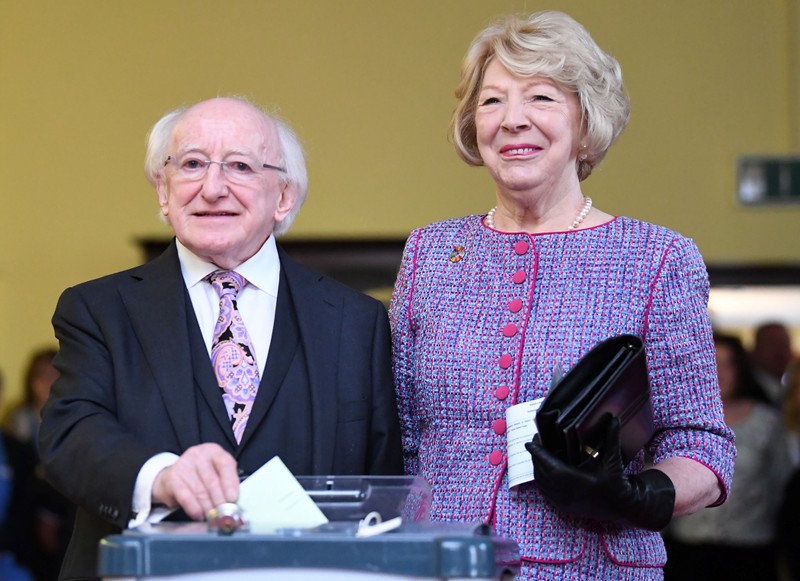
pixel 262 270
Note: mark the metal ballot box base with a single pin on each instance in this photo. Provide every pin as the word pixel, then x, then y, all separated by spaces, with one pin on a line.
pixel 183 551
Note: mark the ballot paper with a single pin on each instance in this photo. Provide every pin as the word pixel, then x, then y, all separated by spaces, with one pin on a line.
pixel 272 498
pixel 520 429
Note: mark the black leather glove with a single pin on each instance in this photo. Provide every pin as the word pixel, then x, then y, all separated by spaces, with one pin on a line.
pixel 598 488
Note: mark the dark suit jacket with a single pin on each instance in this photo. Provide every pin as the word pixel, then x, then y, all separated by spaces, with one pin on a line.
pixel 136 380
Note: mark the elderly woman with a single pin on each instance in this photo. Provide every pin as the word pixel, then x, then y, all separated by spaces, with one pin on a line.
pixel 486 307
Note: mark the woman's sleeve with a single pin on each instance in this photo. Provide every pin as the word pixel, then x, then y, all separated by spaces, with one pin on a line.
pixel 682 366
pixel 403 339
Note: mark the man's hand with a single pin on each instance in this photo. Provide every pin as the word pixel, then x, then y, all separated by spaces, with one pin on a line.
pixel 204 476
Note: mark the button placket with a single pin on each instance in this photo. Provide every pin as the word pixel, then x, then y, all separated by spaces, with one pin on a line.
pixel 509 331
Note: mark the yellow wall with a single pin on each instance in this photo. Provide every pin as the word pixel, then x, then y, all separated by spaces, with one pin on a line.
pixel 368 84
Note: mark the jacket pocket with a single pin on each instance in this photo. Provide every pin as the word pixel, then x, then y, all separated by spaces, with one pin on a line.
pixel 635 547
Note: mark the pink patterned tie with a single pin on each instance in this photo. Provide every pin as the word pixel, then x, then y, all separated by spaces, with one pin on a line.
pixel 232 353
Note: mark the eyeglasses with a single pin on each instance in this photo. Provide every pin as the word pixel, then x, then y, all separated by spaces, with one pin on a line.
pixel 191 168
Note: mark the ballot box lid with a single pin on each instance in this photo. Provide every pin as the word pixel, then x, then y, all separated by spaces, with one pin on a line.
pixel 351 498
pixel 415 549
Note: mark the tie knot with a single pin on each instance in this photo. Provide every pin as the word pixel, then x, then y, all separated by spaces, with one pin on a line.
pixel 227 282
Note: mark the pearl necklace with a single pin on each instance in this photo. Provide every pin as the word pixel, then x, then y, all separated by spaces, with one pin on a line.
pixel 587 205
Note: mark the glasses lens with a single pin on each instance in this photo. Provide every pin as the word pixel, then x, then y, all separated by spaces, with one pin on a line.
pixel 192 167
pixel 239 170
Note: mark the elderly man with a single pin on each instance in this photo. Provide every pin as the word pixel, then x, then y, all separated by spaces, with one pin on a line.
pixel 178 376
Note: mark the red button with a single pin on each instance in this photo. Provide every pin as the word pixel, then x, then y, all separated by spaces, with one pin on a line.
pixel 496 457
pixel 505 361
pixel 502 392
pixel 499 427
pixel 521 247
pixel 510 330
pixel 515 306
pixel 519 277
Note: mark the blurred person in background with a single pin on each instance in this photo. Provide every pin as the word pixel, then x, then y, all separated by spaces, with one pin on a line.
pixel 789 528
pixel 770 358
pixel 789 523
pixel 738 539
pixel 792 413
pixel 17 540
pixel 53 514
pixel 24 418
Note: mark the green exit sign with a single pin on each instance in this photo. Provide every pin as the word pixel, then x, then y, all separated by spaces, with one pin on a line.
pixel 768 180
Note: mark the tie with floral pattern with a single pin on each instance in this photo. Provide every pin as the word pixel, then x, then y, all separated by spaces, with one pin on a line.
pixel 232 353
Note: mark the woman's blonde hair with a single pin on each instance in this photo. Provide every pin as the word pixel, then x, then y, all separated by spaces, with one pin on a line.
pixel 555 46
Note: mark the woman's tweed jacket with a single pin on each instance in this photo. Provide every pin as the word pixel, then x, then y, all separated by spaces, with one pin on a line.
pixel 480 318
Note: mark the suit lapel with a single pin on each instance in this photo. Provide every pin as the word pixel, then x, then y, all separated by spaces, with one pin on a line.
pixel 156 306
pixel 319 322
pixel 282 350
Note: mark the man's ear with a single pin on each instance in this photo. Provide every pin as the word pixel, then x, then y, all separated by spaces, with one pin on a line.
pixel 286 201
pixel 163 193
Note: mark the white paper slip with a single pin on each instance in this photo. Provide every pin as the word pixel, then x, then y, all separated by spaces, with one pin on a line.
pixel 272 498
pixel 520 429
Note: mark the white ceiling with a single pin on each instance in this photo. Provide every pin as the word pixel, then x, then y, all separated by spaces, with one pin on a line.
pixel 749 306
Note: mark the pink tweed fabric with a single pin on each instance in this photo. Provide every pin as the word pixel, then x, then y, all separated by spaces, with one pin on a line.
pixel 480 318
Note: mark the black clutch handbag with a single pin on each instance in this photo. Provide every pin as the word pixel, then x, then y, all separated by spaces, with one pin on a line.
pixel 609 381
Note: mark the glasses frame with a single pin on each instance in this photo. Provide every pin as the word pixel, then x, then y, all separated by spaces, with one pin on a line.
pixel 222 165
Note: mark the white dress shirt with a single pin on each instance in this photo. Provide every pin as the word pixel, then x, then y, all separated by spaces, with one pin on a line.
pixel 256 302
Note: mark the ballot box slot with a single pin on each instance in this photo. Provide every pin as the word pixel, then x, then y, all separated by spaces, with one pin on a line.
pixel 337 495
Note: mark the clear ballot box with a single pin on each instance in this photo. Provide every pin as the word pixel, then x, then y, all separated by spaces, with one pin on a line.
pixel 343 549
